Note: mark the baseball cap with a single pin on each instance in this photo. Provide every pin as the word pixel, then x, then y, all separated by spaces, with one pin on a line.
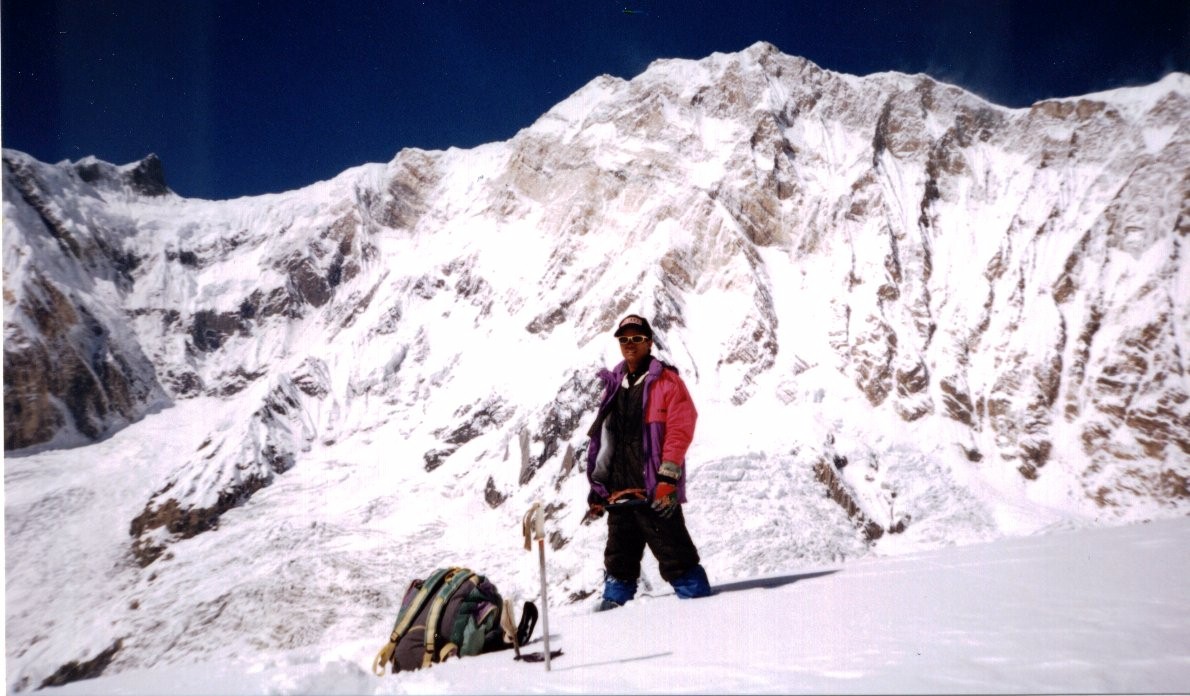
pixel 634 321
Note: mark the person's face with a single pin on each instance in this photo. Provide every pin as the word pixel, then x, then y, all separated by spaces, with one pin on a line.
pixel 634 345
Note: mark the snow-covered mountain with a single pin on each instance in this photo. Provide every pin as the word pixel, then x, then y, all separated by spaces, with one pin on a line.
pixel 908 317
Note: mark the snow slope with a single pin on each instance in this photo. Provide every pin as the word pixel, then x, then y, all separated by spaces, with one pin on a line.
pixel 1094 611
pixel 298 587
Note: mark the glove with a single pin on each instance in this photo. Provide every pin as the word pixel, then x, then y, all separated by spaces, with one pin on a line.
pixel 595 506
pixel 665 495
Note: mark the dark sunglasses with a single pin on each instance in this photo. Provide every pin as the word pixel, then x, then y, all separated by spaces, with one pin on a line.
pixel 624 340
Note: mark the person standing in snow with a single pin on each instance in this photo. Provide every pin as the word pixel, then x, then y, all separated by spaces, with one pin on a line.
pixel 636 468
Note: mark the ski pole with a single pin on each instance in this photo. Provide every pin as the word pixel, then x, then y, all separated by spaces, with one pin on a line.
pixel 535 518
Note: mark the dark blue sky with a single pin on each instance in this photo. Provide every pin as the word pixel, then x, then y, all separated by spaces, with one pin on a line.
pixel 243 97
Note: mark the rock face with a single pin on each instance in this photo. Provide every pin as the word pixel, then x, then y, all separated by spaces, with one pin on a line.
pixel 72 370
pixel 1012 282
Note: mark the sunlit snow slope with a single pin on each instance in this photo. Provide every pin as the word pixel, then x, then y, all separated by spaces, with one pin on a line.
pixel 1094 611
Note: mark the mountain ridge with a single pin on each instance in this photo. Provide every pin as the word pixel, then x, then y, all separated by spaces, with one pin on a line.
pixel 312 275
pixel 909 317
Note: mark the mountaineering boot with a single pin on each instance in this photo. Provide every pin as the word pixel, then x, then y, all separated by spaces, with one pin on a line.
pixel 691 584
pixel 616 593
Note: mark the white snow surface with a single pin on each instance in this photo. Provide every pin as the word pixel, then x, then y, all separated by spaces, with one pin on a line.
pixel 1093 611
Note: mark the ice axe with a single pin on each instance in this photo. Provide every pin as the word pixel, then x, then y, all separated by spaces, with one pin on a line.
pixel 533 526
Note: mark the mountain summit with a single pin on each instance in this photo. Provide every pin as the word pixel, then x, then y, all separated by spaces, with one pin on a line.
pixel 910 315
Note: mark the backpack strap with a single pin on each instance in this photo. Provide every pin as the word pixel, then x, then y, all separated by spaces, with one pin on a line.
pixel 454 580
pixel 528 621
pixel 406 616
pixel 508 625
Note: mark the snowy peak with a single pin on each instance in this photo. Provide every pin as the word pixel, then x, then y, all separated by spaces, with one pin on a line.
pixel 146 177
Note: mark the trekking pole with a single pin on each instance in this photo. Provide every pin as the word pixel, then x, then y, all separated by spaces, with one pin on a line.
pixel 535 519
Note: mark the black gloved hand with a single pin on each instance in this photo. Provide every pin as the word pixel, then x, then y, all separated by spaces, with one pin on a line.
pixel 595 507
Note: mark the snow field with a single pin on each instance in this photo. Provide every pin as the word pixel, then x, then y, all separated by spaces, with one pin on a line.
pixel 1091 611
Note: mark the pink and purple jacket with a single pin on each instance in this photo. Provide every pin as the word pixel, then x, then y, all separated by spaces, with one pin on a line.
pixel 670 417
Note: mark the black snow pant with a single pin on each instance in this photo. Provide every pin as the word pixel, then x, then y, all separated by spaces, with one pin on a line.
pixel 631 529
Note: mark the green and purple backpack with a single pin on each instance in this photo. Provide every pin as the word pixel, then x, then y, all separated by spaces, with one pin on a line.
pixel 452 612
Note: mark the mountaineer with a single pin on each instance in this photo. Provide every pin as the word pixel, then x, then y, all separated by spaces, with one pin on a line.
pixel 636 466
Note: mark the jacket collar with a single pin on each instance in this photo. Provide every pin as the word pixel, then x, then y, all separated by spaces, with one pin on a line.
pixel 616 375
pixel 652 370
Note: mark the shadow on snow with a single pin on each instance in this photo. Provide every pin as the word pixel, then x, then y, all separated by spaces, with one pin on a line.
pixel 768 583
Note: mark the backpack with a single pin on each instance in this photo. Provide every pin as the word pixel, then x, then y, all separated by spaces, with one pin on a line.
pixel 453 611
